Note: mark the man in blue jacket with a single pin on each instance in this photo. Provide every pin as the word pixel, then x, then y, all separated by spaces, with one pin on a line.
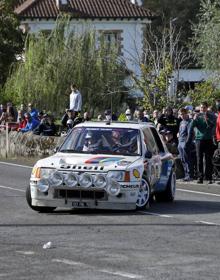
pixel 185 154
pixel 32 123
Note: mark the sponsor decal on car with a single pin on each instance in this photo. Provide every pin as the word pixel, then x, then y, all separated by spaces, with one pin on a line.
pixel 130 186
pixel 99 160
pixel 136 174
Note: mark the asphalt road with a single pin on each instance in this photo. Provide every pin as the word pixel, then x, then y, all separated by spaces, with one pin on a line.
pixel 177 241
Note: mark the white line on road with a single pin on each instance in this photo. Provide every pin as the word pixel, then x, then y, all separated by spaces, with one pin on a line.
pixel 206 223
pixel 118 273
pixel 14 164
pixel 155 214
pixel 28 253
pixel 9 188
pixel 122 274
pixel 204 193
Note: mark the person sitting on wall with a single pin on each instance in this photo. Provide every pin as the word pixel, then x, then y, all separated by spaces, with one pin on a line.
pixel 32 123
pixel 46 127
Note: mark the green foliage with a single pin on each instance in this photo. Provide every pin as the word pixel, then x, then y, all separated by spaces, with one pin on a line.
pixel 11 39
pixel 207 33
pixel 205 91
pixel 122 117
pixel 53 62
pixel 154 87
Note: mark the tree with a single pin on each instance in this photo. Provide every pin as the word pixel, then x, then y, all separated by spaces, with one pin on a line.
pixel 11 39
pixel 167 10
pixel 206 36
pixel 161 56
pixel 52 62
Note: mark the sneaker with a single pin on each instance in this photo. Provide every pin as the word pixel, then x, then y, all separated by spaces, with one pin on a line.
pixel 210 182
pixel 200 181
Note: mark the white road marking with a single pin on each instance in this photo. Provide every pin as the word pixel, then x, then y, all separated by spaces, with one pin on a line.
pixel 122 274
pixel 10 188
pixel 118 273
pixel 26 252
pixel 155 214
pixel 206 223
pixel 204 193
pixel 14 164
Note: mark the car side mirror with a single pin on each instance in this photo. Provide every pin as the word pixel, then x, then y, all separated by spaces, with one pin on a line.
pixel 148 155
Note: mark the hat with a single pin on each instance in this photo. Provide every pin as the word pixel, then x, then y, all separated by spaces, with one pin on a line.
pixel 128 112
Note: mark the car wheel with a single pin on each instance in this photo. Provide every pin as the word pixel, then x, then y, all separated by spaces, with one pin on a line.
pixel 169 194
pixel 144 194
pixel 41 209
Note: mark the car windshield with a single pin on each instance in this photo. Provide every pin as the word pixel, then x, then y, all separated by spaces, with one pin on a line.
pixel 100 140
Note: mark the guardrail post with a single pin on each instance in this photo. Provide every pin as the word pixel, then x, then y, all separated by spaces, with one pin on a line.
pixel 7 140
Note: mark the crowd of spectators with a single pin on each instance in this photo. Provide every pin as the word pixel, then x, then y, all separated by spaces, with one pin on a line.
pixel 191 133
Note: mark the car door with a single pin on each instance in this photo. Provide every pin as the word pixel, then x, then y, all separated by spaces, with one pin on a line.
pixel 167 161
pixel 154 164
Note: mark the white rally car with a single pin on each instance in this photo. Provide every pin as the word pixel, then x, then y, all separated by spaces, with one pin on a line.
pixel 104 166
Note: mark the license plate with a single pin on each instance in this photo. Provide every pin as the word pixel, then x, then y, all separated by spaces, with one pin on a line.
pixel 80 204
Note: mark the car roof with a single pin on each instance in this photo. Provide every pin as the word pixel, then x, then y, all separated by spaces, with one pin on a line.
pixel 116 124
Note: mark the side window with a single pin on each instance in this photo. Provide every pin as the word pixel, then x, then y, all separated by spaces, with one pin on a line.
pixel 157 140
pixel 149 141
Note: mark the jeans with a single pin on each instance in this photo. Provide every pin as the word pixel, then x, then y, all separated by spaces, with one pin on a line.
pixel 204 148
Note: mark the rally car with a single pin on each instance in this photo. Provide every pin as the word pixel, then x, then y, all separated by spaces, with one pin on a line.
pixel 113 165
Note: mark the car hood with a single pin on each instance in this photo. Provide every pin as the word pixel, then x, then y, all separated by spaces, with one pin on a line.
pixel 105 161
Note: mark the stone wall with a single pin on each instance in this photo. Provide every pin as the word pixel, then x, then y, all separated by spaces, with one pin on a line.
pixel 28 144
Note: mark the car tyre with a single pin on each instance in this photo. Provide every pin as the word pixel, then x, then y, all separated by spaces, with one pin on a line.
pixel 169 194
pixel 41 209
pixel 144 194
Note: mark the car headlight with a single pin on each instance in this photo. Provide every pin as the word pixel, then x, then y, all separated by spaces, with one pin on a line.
pixel 100 181
pixel 85 180
pixel 117 175
pixel 56 179
pixel 40 172
pixel 46 172
pixel 43 185
pixel 113 187
pixel 71 180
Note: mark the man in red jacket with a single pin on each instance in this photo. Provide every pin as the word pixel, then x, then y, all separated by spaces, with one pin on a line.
pixel 217 131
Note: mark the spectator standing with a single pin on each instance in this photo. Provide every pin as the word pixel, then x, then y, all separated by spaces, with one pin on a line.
pixel 1 109
pixel 169 122
pixel 204 124
pixel 140 116
pixel 86 116
pixel 183 152
pixel 155 118
pixel 217 131
pixel 128 115
pixel 21 112
pixel 75 99
pixel 108 115
pixel 32 123
pixel 11 112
